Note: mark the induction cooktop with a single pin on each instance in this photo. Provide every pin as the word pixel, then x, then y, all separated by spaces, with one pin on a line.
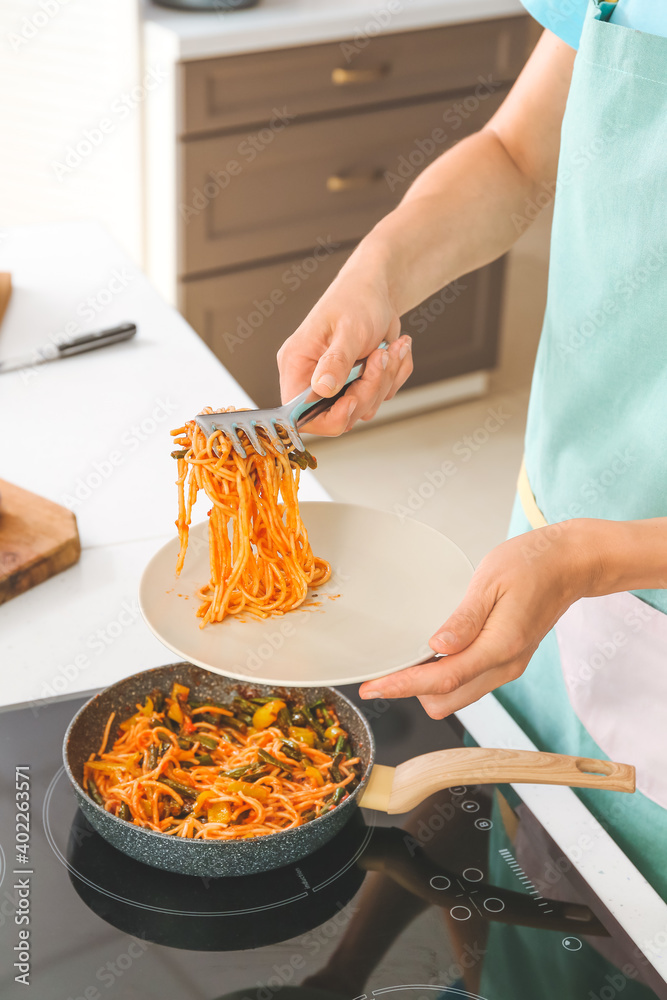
pixel 465 897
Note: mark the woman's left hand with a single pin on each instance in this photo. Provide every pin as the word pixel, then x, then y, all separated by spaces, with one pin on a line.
pixel 517 594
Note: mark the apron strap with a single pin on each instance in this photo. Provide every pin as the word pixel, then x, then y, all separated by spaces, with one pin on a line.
pixel 534 515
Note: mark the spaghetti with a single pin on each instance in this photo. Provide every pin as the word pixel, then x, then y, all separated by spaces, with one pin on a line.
pixel 260 558
pixel 209 771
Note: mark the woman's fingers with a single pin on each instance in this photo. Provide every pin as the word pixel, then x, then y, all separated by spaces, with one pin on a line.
pixel 384 368
pixel 442 676
pixel 439 706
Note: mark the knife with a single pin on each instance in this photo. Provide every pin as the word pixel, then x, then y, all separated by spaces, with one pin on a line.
pixel 67 348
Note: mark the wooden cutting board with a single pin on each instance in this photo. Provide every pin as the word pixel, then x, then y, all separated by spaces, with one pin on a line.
pixel 38 538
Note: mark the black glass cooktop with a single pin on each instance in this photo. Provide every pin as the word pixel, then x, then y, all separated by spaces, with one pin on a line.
pixel 463 898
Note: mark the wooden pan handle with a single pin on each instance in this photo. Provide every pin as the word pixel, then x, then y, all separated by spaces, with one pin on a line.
pixel 420 777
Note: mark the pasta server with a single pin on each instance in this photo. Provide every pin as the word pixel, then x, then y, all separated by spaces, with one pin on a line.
pixel 289 417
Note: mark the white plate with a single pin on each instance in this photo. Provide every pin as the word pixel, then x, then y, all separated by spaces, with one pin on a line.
pixel 397 580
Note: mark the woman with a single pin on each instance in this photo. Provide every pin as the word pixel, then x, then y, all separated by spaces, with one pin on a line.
pixel 578 591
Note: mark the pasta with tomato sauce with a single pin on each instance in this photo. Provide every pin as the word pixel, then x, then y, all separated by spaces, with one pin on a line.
pixel 261 562
pixel 207 771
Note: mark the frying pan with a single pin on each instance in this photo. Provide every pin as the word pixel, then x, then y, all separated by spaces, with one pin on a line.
pixel 393 790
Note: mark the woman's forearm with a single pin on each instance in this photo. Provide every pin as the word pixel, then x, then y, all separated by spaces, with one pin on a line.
pixel 469 206
pixel 624 555
pixel 458 215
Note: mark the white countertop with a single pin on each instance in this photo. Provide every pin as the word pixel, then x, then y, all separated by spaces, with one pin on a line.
pixel 92 433
pixel 278 24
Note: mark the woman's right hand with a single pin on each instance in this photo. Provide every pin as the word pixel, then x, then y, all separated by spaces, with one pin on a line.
pixel 353 316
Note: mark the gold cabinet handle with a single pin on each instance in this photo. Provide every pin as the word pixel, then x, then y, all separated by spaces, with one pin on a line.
pixel 351 182
pixel 342 77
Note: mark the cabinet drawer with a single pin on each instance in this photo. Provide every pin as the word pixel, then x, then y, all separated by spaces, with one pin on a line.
pixel 332 179
pixel 245 317
pixel 233 91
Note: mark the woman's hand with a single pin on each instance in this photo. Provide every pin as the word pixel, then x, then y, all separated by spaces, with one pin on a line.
pixel 517 594
pixel 353 316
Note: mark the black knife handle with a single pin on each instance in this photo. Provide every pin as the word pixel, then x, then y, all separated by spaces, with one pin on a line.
pixel 91 341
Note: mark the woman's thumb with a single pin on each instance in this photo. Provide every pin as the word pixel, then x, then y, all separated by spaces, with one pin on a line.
pixel 334 366
pixel 462 626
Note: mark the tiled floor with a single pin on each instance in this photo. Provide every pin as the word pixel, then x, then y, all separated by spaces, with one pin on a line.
pixel 478 443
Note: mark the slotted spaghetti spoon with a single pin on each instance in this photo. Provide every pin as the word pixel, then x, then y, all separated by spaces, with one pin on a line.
pixel 289 417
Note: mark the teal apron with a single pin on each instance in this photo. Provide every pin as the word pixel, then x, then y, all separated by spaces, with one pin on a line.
pixel 596 446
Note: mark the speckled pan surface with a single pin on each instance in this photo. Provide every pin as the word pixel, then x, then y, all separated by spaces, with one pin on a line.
pixel 200 857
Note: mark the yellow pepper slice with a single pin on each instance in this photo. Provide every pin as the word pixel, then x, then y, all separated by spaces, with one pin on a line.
pixel 220 812
pixel 306 736
pixel 314 774
pixel 175 713
pixel 267 714
pixel 180 691
pixel 333 732
pixel 253 791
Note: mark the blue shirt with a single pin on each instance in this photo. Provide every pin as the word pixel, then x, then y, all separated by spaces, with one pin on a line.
pixel 566 17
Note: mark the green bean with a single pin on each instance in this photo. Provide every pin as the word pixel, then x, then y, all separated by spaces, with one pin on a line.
pixel 181 453
pixel 290 749
pixel 334 769
pixel 158 699
pixel 94 792
pixel 307 816
pixel 340 743
pixel 314 724
pixel 283 720
pixel 183 743
pixel 164 746
pixel 184 790
pixel 238 772
pixel 124 812
pixel 206 741
pixel 151 757
pixel 303 459
pixel 256 772
pixel 244 704
pixel 204 759
pixel 337 796
pixel 265 700
pixel 270 759
pixel 234 723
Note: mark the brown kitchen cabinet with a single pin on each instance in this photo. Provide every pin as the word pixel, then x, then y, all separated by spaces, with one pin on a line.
pixel 285 159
